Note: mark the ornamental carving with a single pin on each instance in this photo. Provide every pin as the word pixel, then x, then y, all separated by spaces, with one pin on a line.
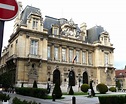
pixel 70 29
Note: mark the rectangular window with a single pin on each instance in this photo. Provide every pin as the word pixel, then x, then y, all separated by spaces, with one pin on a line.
pixel 84 57
pixel 63 54
pixel 106 59
pixel 56 53
pixel 55 31
pixel 105 40
pixel 70 55
pixel 34 47
pixel 35 24
pixel 78 56
pixel 49 52
pixel 90 58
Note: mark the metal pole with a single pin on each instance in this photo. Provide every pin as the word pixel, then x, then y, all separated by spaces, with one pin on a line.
pixel 73 100
pixel 1 35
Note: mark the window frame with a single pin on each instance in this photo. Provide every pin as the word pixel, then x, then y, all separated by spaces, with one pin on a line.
pixel 90 58
pixel 56 53
pixel 84 57
pixel 64 54
pixel 49 52
pixel 78 56
pixel 34 47
pixel 71 52
pixel 35 23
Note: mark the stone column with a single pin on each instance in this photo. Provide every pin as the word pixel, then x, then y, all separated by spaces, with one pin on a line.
pixel 87 57
pixel 27 47
pixel 60 53
pixel 81 56
pixel 52 52
pixel 67 55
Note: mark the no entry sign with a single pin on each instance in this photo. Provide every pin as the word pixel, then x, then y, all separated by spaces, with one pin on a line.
pixel 8 9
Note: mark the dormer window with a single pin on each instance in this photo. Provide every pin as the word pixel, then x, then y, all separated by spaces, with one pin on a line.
pixel 35 23
pixel 105 40
pixel 55 30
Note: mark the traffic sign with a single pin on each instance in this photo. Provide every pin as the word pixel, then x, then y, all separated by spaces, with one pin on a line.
pixel 8 9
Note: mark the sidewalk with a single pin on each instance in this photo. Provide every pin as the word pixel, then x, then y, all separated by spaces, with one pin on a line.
pixel 80 99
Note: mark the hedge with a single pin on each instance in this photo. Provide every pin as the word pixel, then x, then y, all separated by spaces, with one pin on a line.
pixel 115 99
pixel 34 92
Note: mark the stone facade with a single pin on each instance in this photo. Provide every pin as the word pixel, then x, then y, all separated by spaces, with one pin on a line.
pixel 48 50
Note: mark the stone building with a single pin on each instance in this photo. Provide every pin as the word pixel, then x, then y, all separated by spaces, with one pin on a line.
pixel 54 49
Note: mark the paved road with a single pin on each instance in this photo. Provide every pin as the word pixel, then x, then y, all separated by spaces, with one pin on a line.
pixel 67 100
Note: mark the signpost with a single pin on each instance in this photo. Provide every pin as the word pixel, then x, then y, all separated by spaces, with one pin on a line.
pixel 8 11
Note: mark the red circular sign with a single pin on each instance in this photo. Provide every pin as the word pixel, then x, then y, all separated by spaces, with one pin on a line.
pixel 8 9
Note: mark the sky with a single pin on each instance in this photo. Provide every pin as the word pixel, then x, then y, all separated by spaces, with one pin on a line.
pixel 110 14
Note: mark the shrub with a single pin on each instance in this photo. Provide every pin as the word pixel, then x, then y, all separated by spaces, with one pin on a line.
pixel 85 87
pixel 22 84
pixel 34 92
pixel 102 88
pixel 4 97
pixel 112 99
pixel 35 84
pixel 118 84
pixel 57 91
pixel 112 89
pixel 71 92
pixel 18 101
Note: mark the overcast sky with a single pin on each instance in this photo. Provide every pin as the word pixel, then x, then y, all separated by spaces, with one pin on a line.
pixel 110 14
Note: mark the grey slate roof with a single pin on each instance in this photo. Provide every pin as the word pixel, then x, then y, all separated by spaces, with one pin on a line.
pixel 94 33
pixel 49 21
pixel 27 11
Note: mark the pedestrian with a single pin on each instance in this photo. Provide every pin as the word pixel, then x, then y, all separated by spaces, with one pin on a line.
pixel 89 92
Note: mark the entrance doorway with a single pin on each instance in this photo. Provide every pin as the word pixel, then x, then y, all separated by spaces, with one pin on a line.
pixel 56 76
pixel 71 78
pixel 85 78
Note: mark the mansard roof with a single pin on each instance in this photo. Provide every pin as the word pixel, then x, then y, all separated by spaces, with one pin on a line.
pixel 94 33
pixel 50 21
pixel 26 13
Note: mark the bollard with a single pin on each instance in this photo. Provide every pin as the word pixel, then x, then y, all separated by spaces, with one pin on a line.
pixel 73 100
pixel 53 97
